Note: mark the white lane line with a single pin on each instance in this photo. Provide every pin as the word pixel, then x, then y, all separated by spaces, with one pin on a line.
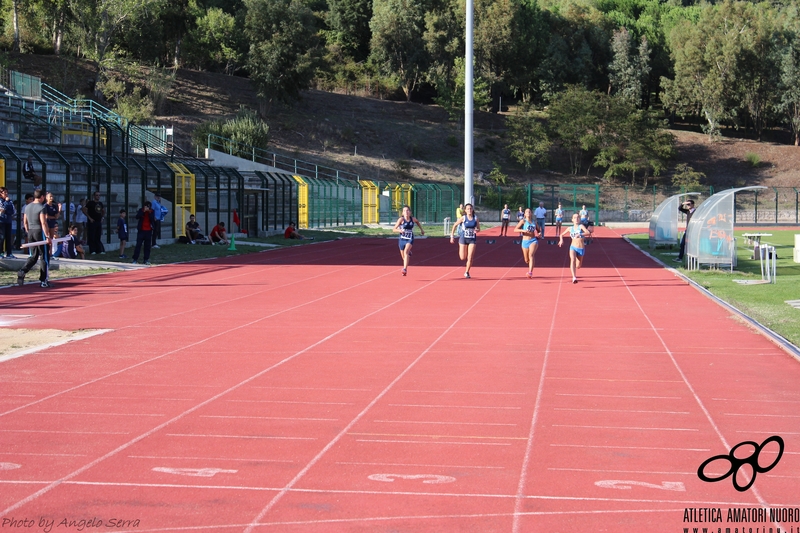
pixel 464 392
pixel 271 418
pixel 211 436
pixel 140 398
pixel 234 459
pixel 746 400
pixel 621 411
pixel 79 413
pixel 618 380
pixel 768 432
pixel 311 388
pixel 289 402
pixel 212 399
pixel 622 427
pixel 761 415
pixel 255 522
pixel 634 447
pixel 442 422
pixel 623 471
pixel 492 407
pixel 435 442
pixel 620 396
pixel 523 476
pixel 44 454
pixel 420 464
pixel 683 376
pixel 49 431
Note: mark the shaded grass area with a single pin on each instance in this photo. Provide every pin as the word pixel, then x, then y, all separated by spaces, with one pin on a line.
pixel 765 303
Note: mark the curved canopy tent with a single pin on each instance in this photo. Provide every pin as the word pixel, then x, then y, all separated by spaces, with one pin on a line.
pixel 664 221
pixel 709 237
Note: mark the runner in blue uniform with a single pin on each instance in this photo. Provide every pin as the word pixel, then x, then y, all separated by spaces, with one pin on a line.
pixel 577 232
pixel 405 227
pixel 530 240
pixel 559 219
pixel 470 226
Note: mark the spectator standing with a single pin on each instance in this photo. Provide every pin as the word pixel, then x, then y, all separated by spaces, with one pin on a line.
pixel 80 219
pixel 688 209
pixel 30 173
pixel 7 214
pixel 540 214
pixel 95 211
pixel 559 218
pixel 159 212
pixel 145 222
pixel 505 216
pixel 520 218
pixel 52 211
pixel 35 221
pixel 122 232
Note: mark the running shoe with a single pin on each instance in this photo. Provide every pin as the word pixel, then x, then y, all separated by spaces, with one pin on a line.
pixel 530 275
pixel 466 275
pixel 574 280
pixel 45 285
pixel 155 246
pixel 147 263
pixel 404 271
pixel 123 256
pixel 134 262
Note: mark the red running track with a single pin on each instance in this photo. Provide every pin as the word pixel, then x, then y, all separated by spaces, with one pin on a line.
pixel 314 389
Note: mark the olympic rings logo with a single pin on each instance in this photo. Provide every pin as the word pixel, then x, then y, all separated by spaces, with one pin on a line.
pixel 737 464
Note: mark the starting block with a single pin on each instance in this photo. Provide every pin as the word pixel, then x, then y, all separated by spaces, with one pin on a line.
pixel 42 243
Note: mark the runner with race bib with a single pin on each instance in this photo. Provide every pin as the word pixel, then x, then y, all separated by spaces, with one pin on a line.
pixel 470 226
pixel 530 240
pixel 405 227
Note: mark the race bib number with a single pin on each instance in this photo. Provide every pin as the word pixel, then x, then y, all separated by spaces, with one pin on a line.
pixel 469 233
pixel 407 235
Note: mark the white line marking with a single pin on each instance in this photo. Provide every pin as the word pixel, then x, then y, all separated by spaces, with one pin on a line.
pixel 634 447
pixel 451 406
pixel 269 437
pixel 463 392
pixel 677 367
pixel 430 479
pixel 289 402
pixel 65 432
pixel 622 427
pixel 375 400
pixel 420 464
pixel 193 472
pixel 523 476
pixel 45 454
pixel 624 471
pixel 79 413
pixel 621 396
pixel 141 398
pixel 761 415
pixel 208 401
pixel 618 380
pixel 768 432
pixel 746 400
pixel 436 442
pixel 442 422
pixel 184 457
pixel 676 486
pixel 622 411
pixel 311 388
pixel 271 418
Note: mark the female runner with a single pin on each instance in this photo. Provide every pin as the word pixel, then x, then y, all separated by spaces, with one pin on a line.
pixel 530 240
pixel 577 232
pixel 559 218
pixel 470 226
pixel 405 227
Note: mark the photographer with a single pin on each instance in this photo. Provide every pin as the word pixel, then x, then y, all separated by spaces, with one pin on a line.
pixel 688 209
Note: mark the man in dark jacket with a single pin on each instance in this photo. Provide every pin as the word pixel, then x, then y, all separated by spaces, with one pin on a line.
pixel 688 209
pixel 7 213
pixel 146 221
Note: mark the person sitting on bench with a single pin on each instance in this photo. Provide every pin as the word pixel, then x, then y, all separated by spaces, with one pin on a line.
pixel 193 231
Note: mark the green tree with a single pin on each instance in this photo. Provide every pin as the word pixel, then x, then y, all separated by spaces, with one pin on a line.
pixel 215 42
pixel 283 37
pixel 529 142
pixel 789 103
pixel 687 178
pixel 574 117
pixel 628 72
pixel 398 47
pixel 348 21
